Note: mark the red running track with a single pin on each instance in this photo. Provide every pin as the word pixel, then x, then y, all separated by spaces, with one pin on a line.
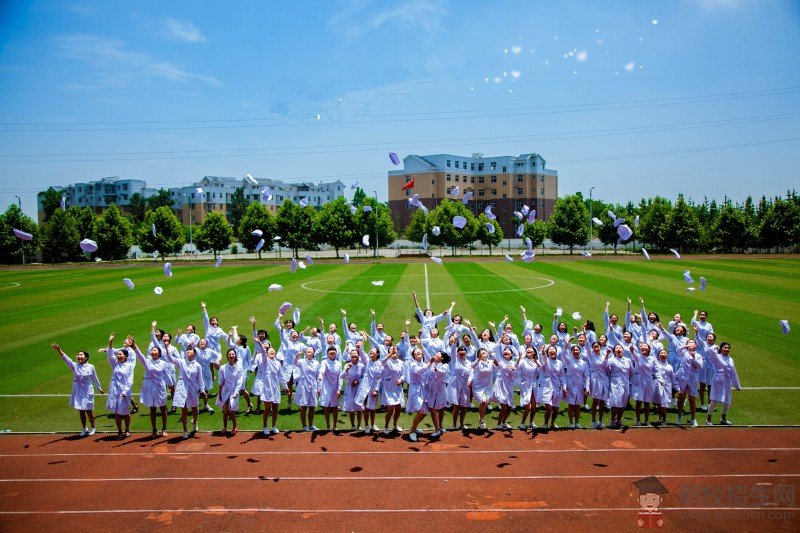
pixel 720 478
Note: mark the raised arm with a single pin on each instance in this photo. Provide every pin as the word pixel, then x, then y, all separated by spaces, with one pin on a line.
pixel 110 351
pixel 206 322
pixel 606 319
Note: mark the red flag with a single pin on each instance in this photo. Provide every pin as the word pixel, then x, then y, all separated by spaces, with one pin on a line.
pixel 409 185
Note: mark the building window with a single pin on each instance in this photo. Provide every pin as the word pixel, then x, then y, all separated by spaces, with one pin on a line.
pixel 541 191
pixel 433 182
pixel 448 178
pixel 480 167
pixel 519 178
pixel 504 183
pixel 493 179
pixel 448 190
pixel 456 178
pixel 472 166
pixel 519 191
pixel 505 208
pixel 448 163
pixel 493 165
pixel 542 204
pixel 408 192
pixel 480 192
pixel 481 179
pixel 456 164
pixel 505 196
pixel 504 169
pixel 541 179
pixel 494 192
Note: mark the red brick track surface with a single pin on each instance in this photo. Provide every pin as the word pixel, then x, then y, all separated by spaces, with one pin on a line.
pixel 717 478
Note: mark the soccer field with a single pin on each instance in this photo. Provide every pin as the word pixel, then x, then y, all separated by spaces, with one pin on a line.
pixel 79 306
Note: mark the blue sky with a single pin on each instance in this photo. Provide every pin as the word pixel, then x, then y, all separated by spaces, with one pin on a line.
pixel 634 98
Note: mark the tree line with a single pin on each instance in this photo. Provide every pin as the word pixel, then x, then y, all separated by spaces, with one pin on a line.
pixel 766 225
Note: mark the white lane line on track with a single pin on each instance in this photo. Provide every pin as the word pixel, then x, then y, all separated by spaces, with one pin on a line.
pixel 388 478
pixel 384 510
pixel 450 452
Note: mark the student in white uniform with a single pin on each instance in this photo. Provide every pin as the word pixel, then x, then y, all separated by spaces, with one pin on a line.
pixel 551 387
pixel 189 388
pixel 330 378
pixel 577 381
pixel 503 387
pixel 598 382
pixel 245 358
pixel 352 375
pixel 267 384
pixel 415 373
pixel 665 385
pixel 369 390
pixel 427 318
pixel 527 372
pixel 213 331
pixel 461 374
pixel 613 331
pixel 392 390
pixel 482 381
pixel 259 336
pixel 84 380
pixel 620 372
pixel 165 345
pixel 207 358
pixel 433 396
pixel 153 393
pixel 350 332
pixel 230 378
pixel 308 391
pixel 119 390
pixel 644 384
pixel 725 377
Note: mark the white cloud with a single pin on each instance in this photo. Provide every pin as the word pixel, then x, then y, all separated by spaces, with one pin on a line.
pixel 360 16
pixel 183 31
pixel 630 66
pixel 516 74
pixel 111 53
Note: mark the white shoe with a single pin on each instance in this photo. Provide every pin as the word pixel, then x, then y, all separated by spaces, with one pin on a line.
pixel 553 426
pixel 694 423
pixel 507 425
pixel 398 429
pixel 194 427
pixel 84 432
pixel 600 425
pixel 386 431
pixel 443 430
pixel 368 430
pixel 412 436
pixel 352 428
pixel 709 422
pixel 306 428
pixel 464 426
pixel 523 427
pixel 185 434
pixel 500 426
pixel 436 434
pixel 680 420
pixel 488 408
pixel 725 422
pixel 420 432
pixel 704 407
pixel 572 426
pixel 313 428
pixel 375 428
pixel 533 426
pixel 594 425
pixel 586 407
pixel 266 431
pixel 638 424
pixel 210 411
pixel 482 424
pixel 275 430
pixel 91 432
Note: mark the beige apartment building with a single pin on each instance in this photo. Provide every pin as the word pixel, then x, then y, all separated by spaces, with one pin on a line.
pixel 504 182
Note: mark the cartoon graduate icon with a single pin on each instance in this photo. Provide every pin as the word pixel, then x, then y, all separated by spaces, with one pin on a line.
pixel 651 493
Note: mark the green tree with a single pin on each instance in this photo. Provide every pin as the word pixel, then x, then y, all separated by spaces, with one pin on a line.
pixel 654 220
pixel 84 221
pixel 568 222
pixel 256 216
pixel 169 237
pixel 50 200
pixel 486 237
pixel 607 233
pixel 214 233
pixel 112 232
pixel 730 230
pixel 536 232
pixel 336 225
pixel 417 226
pixel 358 197
pixel 60 237
pixel 442 215
pixel 160 199
pixel 780 227
pixel 13 249
pixel 295 225
pixel 683 229
pixel 379 218
pixel 137 207
pixel 239 203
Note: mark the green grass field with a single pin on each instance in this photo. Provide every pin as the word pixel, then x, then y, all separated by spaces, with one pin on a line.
pixel 79 306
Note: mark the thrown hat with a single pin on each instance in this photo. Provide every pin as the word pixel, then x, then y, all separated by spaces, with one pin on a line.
pixel 301 265
pixel 218 262
pixel 365 240
pixel 576 315
pixel 612 215
pixel 532 216
pixel 266 194
pixel 702 283
pixel 586 253
pixel 260 245
pixel 366 208
pixel 528 256
pixel 354 186
pixel 257 233
pixel 436 230
pixel 309 260
pixel 436 260
pixel 378 283
pixel 285 306
pixel 488 213
pixel 520 230
pixel 87 245
pixel 275 287
pixel 529 242
pixel 490 227
pixel 296 315
pixel 153 229
pixel 168 269
pixel 618 222
pixel 346 258
pixel 459 221
pixel 158 290
pixel 293 265
pixel 518 215
pixel 393 157
pixel 675 253
pixel 303 201
pixel 645 254
pixel 353 210
pixel 424 244
pixel 597 221
pixel 687 277
pixel 525 209
pixel 509 259
pixel 128 282
pixel 24 235
pixel 636 221
pixel 624 233
pixel 784 326
pixel 467 196
pixel 455 192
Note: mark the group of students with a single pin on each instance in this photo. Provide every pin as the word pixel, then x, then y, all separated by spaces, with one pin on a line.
pixel 639 360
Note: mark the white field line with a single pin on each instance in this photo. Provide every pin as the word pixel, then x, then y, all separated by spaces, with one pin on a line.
pixel 249 510
pixel 427 292
pixel 449 452
pixel 387 478
pixel 136 393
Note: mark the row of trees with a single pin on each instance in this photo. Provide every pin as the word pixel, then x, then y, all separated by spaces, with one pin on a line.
pixel 337 224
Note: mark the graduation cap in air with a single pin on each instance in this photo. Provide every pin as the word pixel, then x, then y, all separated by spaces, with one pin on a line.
pixel 650 485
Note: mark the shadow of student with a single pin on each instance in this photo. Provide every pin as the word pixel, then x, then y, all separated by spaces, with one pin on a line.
pixel 68 438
